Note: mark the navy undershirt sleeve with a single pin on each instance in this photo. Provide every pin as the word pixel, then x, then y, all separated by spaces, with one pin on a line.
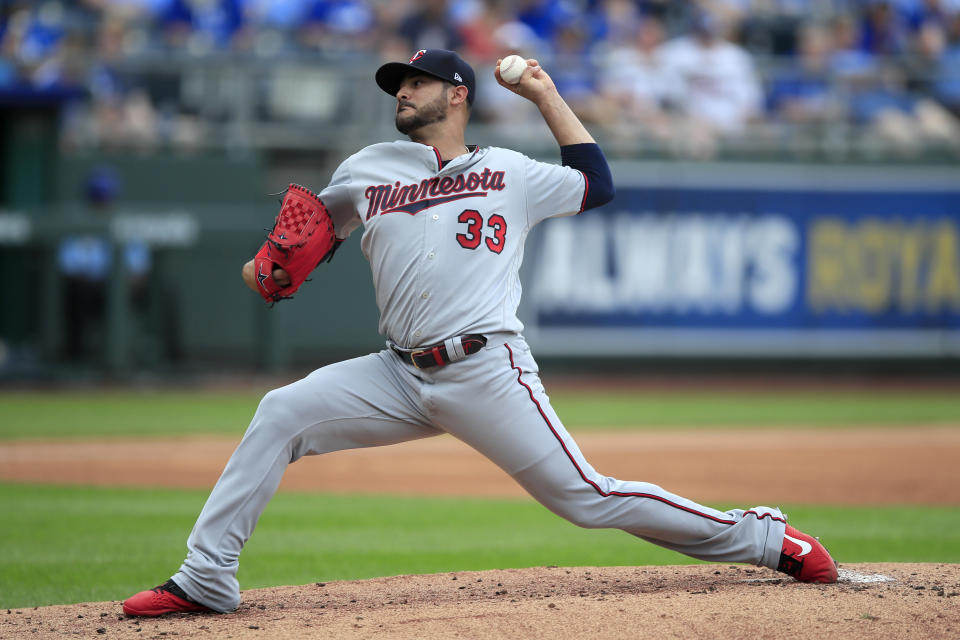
pixel 588 158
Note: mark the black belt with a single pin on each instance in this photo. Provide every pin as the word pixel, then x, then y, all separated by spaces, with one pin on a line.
pixel 443 353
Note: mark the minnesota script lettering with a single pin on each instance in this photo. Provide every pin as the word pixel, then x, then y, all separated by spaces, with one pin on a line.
pixel 414 198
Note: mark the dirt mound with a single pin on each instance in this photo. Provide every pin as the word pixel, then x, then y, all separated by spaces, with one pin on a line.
pixel 873 601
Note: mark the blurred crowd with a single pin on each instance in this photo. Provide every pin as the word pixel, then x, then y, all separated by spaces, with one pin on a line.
pixel 682 75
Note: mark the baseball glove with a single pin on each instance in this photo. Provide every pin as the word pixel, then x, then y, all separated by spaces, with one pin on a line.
pixel 302 237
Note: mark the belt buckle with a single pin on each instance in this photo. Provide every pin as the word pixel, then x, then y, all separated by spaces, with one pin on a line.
pixel 413 357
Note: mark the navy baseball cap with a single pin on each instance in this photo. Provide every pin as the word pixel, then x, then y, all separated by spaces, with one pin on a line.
pixel 438 63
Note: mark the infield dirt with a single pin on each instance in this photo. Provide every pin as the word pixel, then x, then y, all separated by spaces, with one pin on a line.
pixel 720 602
pixel 889 465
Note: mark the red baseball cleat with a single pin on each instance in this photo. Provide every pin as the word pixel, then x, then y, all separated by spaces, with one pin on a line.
pixel 167 598
pixel 804 558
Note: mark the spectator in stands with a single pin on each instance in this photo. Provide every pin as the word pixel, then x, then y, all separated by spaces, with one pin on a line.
pixel 271 27
pixel 896 117
pixel 848 60
pixel 801 92
pixel 636 83
pixel 946 86
pixel 576 77
pixel 32 44
pixel 922 61
pixel 617 23
pixel 480 43
pixel 202 26
pixel 884 33
pixel 430 27
pixel 546 17
pixel 717 89
pixel 44 31
pixel 122 111
pixel 340 26
pixel 917 13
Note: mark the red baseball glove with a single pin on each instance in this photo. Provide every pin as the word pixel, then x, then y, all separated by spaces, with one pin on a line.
pixel 302 237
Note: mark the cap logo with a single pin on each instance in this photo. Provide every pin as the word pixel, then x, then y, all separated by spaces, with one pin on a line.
pixel 418 55
pixel 456 76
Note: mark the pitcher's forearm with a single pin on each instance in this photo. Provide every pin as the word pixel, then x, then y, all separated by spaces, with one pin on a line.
pixel 562 121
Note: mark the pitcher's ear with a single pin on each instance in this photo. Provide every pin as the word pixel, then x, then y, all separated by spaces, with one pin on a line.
pixel 460 94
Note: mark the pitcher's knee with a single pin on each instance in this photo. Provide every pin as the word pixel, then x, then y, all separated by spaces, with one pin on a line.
pixel 283 417
pixel 276 415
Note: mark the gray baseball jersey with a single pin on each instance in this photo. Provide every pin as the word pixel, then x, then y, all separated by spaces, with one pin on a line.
pixel 445 245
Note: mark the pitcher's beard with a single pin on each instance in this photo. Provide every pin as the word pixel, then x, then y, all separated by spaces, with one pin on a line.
pixel 428 114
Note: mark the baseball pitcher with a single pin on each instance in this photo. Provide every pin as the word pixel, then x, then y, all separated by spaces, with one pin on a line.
pixel 443 226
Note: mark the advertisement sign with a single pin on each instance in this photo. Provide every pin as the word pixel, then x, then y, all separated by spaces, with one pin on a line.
pixel 728 270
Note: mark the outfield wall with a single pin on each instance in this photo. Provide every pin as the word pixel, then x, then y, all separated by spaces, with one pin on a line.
pixel 690 260
pixel 754 260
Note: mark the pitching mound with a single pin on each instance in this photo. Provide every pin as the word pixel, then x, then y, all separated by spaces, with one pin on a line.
pixel 873 601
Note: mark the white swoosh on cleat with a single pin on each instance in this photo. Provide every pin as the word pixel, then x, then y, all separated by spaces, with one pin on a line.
pixel 805 547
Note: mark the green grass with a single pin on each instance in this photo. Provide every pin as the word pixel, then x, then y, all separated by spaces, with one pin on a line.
pixel 61 545
pixel 168 413
pixel 124 413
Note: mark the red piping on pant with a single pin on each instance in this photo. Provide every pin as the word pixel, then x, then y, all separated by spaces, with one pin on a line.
pixel 622 494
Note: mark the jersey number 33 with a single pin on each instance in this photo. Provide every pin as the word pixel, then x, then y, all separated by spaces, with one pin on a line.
pixel 494 237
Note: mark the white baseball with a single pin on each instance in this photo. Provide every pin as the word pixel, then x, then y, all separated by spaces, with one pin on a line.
pixel 511 68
